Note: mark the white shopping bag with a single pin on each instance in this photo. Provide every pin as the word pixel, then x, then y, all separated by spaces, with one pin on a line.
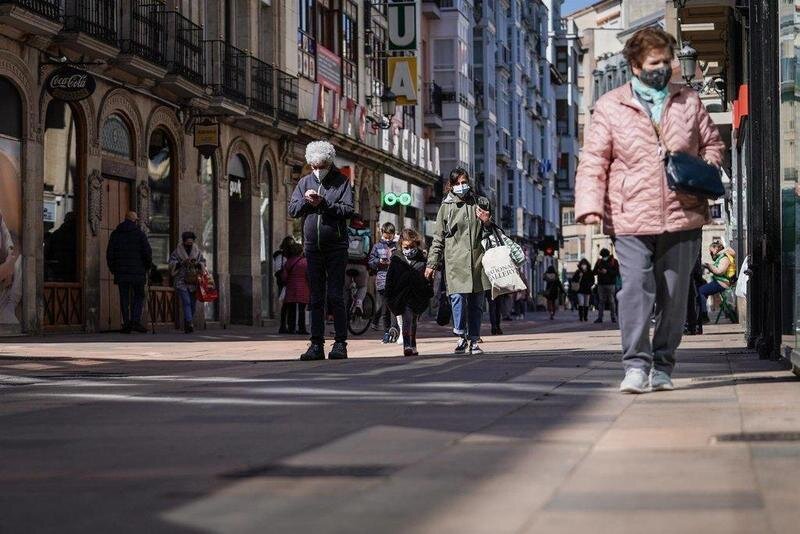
pixel 502 272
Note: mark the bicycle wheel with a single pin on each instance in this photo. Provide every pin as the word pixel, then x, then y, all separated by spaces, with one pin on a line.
pixel 358 323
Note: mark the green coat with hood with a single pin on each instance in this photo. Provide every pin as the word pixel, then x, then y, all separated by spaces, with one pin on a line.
pixel 457 240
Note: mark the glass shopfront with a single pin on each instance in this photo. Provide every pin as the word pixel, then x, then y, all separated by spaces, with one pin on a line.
pixel 789 165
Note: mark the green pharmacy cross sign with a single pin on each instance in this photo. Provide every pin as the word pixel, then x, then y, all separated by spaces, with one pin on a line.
pixel 390 199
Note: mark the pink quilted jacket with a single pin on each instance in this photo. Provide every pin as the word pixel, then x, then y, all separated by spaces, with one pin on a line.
pixel 621 173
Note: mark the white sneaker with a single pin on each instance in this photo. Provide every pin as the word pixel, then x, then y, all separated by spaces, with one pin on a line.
pixel 636 381
pixel 660 381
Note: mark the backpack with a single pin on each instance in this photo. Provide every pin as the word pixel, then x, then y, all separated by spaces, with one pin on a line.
pixel 358 245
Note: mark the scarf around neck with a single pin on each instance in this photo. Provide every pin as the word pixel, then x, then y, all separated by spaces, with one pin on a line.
pixel 652 98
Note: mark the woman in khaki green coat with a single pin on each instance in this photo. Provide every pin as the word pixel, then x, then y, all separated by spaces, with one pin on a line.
pixel 463 221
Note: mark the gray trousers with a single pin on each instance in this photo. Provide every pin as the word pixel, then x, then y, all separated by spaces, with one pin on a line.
pixel 655 277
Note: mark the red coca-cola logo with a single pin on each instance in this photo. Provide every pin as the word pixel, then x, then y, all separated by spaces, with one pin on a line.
pixel 70 84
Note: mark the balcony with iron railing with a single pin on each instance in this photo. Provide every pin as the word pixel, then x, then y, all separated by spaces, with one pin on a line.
pixel 95 18
pixel 433 105
pixel 184 52
pixel 288 95
pixel 262 87
pixel 49 9
pixel 145 35
pixel 226 70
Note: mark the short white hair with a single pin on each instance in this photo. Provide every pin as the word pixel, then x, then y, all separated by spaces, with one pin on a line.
pixel 320 153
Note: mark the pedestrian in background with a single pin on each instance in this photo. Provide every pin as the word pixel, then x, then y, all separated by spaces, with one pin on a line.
pixel 186 264
pixel 464 219
pixel 297 292
pixel 606 269
pixel 324 200
pixel 582 284
pixel 723 273
pixel 379 259
pixel 621 181
pixel 129 256
pixel 552 290
pixel 278 261
pixel 694 322
pixel 408 292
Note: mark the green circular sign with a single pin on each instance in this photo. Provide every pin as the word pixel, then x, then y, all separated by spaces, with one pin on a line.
pixel 390 199
pixel 405 199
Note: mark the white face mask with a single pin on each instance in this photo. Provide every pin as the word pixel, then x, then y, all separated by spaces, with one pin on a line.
pixel 321 173
pixel 408 252
pixel 461 189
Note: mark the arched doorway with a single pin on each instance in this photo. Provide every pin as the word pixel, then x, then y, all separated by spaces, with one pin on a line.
pixel 162 225
pixel 62 217
pixel 10 208
pixel 208 237
pixel 239 240
pixel 265 219
pixel 119 175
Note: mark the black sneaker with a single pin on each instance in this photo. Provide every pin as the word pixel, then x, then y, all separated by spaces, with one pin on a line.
pixel 339 351
pixel 598 321
pixel 474 348
pixel 188 327
pixel 139 327
pixel 315 352
pixel 126 329
pixel 461 348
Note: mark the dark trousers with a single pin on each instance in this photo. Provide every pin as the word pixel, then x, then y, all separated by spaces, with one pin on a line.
pixel 495 310
pixel 326 274
pixel 296 317
pixel 131 300
pixel 693 308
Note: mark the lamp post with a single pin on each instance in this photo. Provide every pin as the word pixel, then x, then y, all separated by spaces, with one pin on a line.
pixel 687 56
pixel 388 108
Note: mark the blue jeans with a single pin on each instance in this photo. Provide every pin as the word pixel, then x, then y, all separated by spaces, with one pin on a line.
pixel 187 301
pixel 467 314
pixel 705 291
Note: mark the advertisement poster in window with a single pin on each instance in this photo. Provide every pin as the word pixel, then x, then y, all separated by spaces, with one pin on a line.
pixel 10 235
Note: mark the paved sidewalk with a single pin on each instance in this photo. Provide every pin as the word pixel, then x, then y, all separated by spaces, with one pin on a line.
pixel 113 434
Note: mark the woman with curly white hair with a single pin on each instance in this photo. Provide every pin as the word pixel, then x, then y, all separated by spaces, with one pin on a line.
pixel 324 200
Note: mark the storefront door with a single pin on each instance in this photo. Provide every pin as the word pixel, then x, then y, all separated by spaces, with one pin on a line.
pixel 117 201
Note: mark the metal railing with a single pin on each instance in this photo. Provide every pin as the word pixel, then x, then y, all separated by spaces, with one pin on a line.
pixel 97 18
pixel 262 86
pixel 433 102
pixel 226 70
pixel 50 9
pixel 184 47
pixel 145 35
pixel 288 87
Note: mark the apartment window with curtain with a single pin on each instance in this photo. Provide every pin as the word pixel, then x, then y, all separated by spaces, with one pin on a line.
pixel 377 65
pixel 306 39
pixel 326 25
pixel 350 49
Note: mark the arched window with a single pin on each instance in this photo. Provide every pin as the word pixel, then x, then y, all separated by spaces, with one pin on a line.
pixel 239 244
pixel 10 204
pixel 162 195
pixel 115 137
pixel 208 239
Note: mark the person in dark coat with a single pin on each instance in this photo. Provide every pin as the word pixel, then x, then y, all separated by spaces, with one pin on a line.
pixel 694 323
pixel 129 256
pixel 552 290
pixel 607 270
pixel 324 200
pixel 583 281
pixel 408 292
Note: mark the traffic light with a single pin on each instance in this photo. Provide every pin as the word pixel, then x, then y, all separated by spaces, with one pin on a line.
pixel 548 245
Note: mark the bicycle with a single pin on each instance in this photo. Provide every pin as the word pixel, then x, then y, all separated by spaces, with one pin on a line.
pixel 358 320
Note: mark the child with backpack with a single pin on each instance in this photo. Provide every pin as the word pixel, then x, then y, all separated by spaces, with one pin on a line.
pixel 408 292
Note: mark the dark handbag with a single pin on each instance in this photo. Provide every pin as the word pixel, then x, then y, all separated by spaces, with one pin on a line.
pixel 445 311
pixel 691 175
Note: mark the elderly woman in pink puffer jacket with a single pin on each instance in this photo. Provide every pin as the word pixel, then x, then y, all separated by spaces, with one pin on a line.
pixel 621 181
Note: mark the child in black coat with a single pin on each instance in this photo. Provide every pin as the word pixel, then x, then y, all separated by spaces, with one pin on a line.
pixel 408 293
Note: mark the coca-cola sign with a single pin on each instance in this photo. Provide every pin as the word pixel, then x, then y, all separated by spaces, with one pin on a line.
pixel 70 84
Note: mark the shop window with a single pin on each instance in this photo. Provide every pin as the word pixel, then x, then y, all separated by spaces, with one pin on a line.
pixel 208 213
pixel 60 195
pixel 268 288
pixel 10 207
pixel 115 137
pixel 161 224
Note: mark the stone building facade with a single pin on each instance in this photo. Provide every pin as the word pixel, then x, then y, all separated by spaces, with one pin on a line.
pixel 70 170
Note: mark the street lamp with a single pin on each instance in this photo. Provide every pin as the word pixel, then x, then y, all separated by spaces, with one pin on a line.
pixel 687 56
pixel 388 108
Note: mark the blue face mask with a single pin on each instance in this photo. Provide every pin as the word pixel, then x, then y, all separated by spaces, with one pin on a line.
pixel 461 189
